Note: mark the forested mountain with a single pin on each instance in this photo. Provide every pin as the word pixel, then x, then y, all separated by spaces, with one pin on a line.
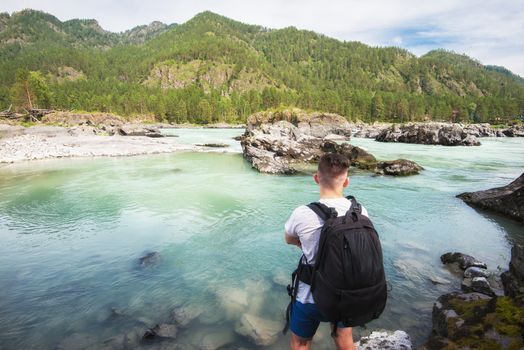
pixel 212 68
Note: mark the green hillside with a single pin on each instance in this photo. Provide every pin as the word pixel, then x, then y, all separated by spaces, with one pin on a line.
pixel 212 68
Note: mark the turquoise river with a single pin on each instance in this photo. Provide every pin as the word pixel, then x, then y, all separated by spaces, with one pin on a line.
pixel 72 231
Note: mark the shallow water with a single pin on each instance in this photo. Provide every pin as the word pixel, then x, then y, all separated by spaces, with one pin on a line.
pixel 72 232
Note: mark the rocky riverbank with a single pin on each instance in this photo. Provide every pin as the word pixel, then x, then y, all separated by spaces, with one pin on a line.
pixel 283 142
pixel 482 316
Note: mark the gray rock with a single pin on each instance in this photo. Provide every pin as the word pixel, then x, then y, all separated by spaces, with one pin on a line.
pixel 474 271
pixel 463 260
pixel 508 200
pixel 398 340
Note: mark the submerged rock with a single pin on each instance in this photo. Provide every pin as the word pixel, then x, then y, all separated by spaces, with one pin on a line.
pixel 76 341
pixel 398 340
pixel 149 259
pixel 261 332
pixel 214 341
pixel 163 330
pixel 182 316
pixel 464 261
pixel 508 200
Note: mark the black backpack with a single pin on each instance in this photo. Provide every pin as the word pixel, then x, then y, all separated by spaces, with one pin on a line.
pixel 347 281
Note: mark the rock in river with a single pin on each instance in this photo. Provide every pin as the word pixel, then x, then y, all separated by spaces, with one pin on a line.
pixel 281 142
pixel 399 167
pixel 508 200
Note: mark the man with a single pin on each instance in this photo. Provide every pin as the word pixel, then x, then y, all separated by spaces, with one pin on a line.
pixel 303 230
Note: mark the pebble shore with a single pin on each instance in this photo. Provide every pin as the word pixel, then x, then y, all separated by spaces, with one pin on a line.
pixel 19 144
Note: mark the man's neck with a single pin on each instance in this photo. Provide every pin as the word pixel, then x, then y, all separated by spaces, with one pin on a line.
pixel 327 193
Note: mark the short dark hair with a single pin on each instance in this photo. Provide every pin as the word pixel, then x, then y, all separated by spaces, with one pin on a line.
pixel 332 165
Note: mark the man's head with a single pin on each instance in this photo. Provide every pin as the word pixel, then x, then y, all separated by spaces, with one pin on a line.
pixel 332 171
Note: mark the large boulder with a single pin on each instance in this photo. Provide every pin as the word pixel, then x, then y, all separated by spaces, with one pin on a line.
pixel 508 200
pixel 428 134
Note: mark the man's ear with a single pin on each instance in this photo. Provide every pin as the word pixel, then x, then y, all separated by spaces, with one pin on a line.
pixel 315 177
pixel 346 182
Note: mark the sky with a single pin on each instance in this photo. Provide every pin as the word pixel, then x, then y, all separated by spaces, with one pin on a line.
pixel 489 31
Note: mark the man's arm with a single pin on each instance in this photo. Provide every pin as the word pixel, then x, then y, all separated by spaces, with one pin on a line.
pixel 292 240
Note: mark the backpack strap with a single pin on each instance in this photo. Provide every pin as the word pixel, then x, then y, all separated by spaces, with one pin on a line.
pixel 355 206
pixel 322 210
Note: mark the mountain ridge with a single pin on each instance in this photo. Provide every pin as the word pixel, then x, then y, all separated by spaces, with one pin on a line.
pixel 221 68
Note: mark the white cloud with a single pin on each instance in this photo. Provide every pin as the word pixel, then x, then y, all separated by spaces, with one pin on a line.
pixel 490 31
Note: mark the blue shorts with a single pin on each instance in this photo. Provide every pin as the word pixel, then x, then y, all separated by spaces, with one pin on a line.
pixel 305 319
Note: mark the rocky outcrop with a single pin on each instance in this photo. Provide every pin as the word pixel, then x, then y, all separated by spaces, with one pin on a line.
pixel 398 340
pixel 429 134
pixel 280 142
pixel 508 200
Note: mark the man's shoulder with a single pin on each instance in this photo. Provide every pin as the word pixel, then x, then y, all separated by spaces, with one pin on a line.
pixel 302 210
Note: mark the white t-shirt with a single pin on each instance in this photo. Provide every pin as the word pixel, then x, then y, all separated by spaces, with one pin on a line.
pixel 306 226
